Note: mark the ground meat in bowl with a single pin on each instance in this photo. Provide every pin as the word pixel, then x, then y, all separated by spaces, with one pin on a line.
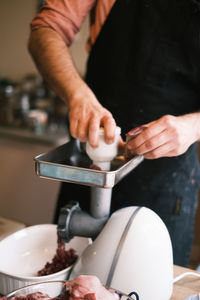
pixel 61 260
pixel 88 287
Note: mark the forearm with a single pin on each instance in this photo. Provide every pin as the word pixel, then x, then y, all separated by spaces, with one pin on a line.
pixel 53 60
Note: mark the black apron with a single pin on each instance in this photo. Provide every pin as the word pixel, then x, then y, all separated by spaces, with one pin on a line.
pixel 145 64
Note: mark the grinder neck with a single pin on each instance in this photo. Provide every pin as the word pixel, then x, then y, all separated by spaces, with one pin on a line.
pixel 73 221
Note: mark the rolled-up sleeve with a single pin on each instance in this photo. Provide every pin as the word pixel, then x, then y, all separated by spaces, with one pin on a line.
pixel 63 16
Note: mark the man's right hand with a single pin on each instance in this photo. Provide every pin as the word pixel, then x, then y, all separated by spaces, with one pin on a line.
pixel 54 62
pixel 87 115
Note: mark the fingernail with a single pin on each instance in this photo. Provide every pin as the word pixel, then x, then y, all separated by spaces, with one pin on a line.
pixel 95 145
pixel 136 131
pixel 109 141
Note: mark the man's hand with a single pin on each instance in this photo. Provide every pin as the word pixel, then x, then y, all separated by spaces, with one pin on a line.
pixel 53 59
pixel 86 115
pixel 166 137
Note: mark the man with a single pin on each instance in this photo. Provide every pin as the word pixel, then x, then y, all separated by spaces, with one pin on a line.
pixel 143 69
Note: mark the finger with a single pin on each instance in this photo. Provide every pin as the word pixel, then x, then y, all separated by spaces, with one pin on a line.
pixel 160 120
pixel 73 126
pixel 109 125
pixel 93 131
pixel 136 131
pixel 147 134
pixel 82 130
pixel 153 143
pixel 165 150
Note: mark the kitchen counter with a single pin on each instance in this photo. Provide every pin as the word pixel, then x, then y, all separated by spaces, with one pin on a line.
pixel 48 138
pixel 8 227
pixel 189 285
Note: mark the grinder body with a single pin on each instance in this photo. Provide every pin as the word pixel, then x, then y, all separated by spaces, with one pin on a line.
pixel 133 253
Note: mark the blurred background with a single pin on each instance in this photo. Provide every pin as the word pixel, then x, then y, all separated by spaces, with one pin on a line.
pixel 33 120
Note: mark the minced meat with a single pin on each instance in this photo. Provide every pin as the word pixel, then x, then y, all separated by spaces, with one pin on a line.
pixel 61 260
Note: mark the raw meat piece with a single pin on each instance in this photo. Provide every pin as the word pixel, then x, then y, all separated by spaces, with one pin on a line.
pixel 95 167
pixel 86 287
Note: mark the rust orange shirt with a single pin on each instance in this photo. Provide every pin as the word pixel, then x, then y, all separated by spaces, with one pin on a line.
pixel 67 16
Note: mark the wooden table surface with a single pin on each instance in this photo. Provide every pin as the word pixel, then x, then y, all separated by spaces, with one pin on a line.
pixel 189 285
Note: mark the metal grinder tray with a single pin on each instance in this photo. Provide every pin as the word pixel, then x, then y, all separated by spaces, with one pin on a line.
pixel 69 163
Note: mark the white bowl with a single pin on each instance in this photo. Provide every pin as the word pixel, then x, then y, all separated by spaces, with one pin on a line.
pixel 25 252
pixel 53 289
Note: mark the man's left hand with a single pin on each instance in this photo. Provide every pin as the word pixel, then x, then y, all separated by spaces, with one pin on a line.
pixel 166 137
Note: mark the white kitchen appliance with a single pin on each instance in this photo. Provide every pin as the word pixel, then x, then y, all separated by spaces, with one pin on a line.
pixel 132 250
pixel 133 253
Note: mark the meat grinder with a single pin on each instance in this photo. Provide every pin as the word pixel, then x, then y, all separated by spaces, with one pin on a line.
pixel 131 249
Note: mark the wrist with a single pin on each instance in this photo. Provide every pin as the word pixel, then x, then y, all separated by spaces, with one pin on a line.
pixel 81 92
pixel 195 125
pixel 72 89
